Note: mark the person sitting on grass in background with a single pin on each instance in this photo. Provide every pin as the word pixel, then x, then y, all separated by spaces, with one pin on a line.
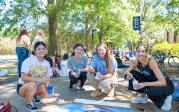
pixel 36 72
pixel 125 57
pixel 64 71
pixel 102 63
pixel 77 64
pixel 120 64
pixel 151 82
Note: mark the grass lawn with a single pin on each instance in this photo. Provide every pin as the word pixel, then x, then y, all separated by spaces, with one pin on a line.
pixel 12 70
pixel 10 64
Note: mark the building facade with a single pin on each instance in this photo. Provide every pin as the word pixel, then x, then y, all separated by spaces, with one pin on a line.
pixel 171 37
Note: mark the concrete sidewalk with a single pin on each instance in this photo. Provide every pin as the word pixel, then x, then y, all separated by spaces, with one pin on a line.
pixel 64 95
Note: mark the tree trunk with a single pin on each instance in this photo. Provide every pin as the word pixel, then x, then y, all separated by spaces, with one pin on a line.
pixel 100 36
pixel 52 41
pixel 87 33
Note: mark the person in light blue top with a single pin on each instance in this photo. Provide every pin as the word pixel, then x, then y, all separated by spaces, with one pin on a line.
pixel 102 70
pixel 78 65
pixel 100 64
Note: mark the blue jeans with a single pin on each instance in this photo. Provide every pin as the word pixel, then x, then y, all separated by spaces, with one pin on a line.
pixel 22 54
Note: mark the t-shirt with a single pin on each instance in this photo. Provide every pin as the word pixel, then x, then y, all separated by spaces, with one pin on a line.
pixel 64 71
pixel 100 64
pixel 72 64
pixel 24 42
pixel 37 39
pixel 35 68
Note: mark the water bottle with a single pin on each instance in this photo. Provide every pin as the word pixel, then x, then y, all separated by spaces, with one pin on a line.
pixel 134 83
pixel 50 88
pixel 79 71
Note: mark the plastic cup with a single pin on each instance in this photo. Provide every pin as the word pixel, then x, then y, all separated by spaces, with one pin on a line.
pixel 134 83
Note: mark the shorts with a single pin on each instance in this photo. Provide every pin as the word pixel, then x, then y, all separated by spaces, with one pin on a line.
pixel 18 87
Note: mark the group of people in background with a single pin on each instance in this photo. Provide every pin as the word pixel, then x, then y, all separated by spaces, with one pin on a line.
pixel 101 72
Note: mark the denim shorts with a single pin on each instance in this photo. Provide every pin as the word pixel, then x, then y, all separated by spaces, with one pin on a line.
pixel 18 87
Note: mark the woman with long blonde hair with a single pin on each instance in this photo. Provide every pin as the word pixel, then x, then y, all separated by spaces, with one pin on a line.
pixel 102 63
pixel 150 81
pixel 40 36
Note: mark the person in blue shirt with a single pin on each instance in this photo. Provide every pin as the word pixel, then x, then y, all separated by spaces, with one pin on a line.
pixel 78 65
pixel 102 71
pixel 152 83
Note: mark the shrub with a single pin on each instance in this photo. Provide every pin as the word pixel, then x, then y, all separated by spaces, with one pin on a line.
pixel 166 47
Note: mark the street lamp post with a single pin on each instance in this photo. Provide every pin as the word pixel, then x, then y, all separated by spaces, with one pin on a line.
pixel 94 29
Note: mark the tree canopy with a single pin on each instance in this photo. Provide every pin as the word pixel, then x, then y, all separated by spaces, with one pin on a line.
pixel 66 22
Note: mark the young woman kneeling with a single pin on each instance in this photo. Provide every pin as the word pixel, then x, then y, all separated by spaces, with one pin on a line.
pixel 36 72
pixel 151 82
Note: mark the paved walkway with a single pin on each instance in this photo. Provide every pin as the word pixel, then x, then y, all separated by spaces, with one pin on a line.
pixel 64 96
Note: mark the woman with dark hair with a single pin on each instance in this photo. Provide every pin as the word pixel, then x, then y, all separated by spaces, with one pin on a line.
pixel 23 48
pixel 103 71
pixel 36 72
pixel 150 81
pixel 77 64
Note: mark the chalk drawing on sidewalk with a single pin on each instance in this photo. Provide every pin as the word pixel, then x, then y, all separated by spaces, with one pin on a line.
pixel 86 108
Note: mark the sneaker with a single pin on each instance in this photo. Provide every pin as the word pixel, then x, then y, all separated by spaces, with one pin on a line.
pixel 82 89
pixel 31 108
pixel 96 93
pixel 70 87
pixel 140 99
pixel 36 100
pixel 111 93
pixel 167 104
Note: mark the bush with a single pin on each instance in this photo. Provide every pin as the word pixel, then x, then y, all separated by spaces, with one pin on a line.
pixel 166 47
pixel 7 46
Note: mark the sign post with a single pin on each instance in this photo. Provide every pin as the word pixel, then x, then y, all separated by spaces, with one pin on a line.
pixel 136 23
pixel 136 26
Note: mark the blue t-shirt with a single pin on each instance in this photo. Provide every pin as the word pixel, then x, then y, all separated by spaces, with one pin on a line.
pixel 72 64
pixel 100 64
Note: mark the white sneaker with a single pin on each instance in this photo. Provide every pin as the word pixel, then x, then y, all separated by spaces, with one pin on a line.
pixel 140 99
pixel 167 104
pixel 111 93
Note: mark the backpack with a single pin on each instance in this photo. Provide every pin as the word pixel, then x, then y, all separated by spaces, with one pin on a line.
pixel 175 95
pixel 6 107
